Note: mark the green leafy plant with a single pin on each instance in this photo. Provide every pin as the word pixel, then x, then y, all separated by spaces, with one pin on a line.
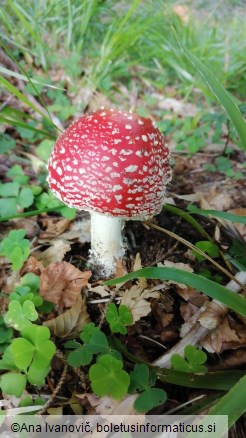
pixel 48 200
pixel 192 363
pixel 15 248
pixel 27 290
pixel 142 380
pixel 14 196
pixel 109 365
pixel 209 287
pixel 108 377
pixel 20 315
pixel 208 247
pixel 224 165
pixel 28 358
pixel 224 98
pixel 94 342
pixel 119 318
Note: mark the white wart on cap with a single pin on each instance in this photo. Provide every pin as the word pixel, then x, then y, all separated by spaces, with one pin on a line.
pixel 112 163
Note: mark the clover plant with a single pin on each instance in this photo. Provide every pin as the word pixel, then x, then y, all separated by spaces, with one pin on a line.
pixel 119 318
pixel 108 377
pixel 15 248
pixel 28 359
pixel 192 363
pixel 142 380
pixel 94 342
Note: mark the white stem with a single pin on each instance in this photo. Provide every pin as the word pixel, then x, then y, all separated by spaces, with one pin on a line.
pixel 106 243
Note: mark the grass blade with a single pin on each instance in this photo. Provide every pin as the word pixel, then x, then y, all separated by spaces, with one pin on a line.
pixel 13 90
pixel 7 72
pixel 218 380
pixel 221 214
pixel 221 95
pixel 21 124
pixel 233 403
pixel 188 218
pixel 208 287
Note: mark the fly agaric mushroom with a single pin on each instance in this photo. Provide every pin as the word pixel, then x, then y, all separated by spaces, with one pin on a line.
pixel 115 165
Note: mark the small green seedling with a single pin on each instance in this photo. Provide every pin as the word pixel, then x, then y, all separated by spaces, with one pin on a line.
pixel 27 290
pixel 94 342
pixel 208 247
pixel 14 196
pixel 17 175
pixel 224 165
pixel 28 358
pixel 48 200
pixel 192 363
pixel 20 315
pixel 15 248
pixel 119 318
pixel 108 378
pixel 237 251
pixel 142 380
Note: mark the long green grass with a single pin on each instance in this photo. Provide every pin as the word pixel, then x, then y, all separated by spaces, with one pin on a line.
pixel 107 40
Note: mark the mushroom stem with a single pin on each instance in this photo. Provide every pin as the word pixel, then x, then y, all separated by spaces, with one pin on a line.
pixel 106 243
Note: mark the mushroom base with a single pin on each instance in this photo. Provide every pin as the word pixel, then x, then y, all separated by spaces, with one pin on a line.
pixel 106 243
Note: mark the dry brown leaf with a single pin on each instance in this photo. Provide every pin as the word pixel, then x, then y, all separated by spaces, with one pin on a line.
pixel 32 265
pixel 213 315
pixel 54 253
pixel 70 323
pixel 79 230
pixel 108 406
pixel 61 283
pixel 241 228
pixel 223 333
pixel 53 227
pixel 101 290
pixel 214 200
pixel 138 265
pixel 136 300
pixel 183 266
pixel 10 282
pixel 120 269
pixel 230 359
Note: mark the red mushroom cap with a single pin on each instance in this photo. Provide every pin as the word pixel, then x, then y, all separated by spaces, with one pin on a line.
pixel 111 162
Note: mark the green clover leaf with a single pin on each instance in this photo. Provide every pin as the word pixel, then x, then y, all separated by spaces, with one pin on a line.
pixel 80 357
pixel 139 378
pixel 15 248
pixel 44 350
pixel 108 378
pixel 23 352
pixel 25 197
pixel 19 316
pixel 149 399
pixel 192 363
pixel 118 319
pixel 17 175
pixel 95 342
pixel 208 247
pixel 13 383
pixel 7 361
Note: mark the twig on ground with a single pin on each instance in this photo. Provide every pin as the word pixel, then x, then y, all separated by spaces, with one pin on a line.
pixel 207 320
